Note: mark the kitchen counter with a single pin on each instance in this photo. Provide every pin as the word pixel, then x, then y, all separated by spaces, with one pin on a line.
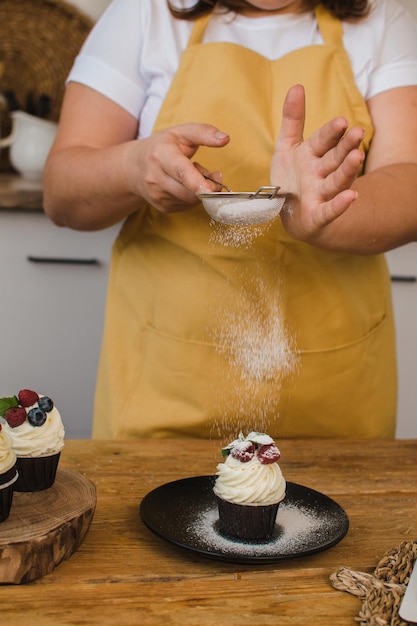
pixel 125 574
pixel 19 194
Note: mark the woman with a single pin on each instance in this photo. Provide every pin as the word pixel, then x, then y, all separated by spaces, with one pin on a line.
pixel 288 329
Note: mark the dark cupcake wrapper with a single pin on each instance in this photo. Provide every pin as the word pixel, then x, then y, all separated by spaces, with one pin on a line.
pixel 6 492
pixel 8 477
pixel 36 473
pixel 249 523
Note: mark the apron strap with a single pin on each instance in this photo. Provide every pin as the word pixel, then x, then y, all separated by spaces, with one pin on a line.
pixel 330 27
pixel 198 30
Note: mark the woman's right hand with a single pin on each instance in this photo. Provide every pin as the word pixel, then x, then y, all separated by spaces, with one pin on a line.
pixel 163 173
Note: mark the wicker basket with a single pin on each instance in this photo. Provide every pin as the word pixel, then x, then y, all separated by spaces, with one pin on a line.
pixel 39 40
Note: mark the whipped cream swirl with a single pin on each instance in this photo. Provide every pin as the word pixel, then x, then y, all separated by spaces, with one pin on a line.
pixel 251 483
pixel 34 441
pixel 7 456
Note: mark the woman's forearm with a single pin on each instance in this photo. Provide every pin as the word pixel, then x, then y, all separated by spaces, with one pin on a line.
pixel 91 187
pixel 87 189
pixel 383 217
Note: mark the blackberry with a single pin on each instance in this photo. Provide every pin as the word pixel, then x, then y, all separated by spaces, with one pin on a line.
pixel 36 417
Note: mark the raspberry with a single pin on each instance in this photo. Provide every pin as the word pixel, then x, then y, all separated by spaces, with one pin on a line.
pixel 243 451
pixel 268 454
pixel 15 415
pixel 27 397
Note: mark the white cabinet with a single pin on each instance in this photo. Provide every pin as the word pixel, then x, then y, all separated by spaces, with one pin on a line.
pixel 52 312
pixel 403 267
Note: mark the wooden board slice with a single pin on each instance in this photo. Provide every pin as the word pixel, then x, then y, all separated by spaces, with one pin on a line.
pixel 46 527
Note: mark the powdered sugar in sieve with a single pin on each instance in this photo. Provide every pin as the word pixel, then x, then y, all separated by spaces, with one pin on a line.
pixel 244 208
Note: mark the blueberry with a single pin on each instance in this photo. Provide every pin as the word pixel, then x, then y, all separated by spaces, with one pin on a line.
pixel 45 404
pixel 36 417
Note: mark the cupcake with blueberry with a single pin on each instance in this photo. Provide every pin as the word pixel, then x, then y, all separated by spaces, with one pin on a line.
pixel 249 486
pixel 8 473
pixel 35 427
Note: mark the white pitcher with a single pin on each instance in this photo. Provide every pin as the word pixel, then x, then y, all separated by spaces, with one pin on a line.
pixel 30 141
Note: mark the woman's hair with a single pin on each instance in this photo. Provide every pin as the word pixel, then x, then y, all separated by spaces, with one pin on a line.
pixel 342 9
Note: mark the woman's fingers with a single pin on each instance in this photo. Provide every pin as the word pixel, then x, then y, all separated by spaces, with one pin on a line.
pixel 337 148
pixel 334 208
pixel 293 117
pixel 169 180
pixel 344 175
pixel 327 136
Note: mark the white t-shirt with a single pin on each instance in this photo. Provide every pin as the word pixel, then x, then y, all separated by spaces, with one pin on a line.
pixel 133 51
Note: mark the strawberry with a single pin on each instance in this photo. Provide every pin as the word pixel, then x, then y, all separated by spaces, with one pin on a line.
pixel 27 397
pixel 15 415
pixel 268 454
pixel 243 451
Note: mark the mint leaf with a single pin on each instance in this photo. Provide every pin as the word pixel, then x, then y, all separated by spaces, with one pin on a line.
pixel 6 403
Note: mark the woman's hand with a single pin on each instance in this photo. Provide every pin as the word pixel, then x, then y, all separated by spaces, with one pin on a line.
pixel 162 171
pixel 317 172
pixel 331 206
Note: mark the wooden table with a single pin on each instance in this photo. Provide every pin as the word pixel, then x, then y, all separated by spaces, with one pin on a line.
pixel 125 575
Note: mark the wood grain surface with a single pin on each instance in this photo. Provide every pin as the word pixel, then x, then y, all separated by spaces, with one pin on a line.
pixel 45 527
pixel 124 575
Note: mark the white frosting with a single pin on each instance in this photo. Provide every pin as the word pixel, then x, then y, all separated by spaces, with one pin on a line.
pixel 7 456
pixel 34 441
pixel 251 483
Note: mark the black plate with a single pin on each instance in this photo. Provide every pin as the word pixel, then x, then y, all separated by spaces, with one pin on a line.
pixel 184 512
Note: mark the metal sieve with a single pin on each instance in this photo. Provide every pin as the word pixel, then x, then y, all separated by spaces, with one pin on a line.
pixel 243 208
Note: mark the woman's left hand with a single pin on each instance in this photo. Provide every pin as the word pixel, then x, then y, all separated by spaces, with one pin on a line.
pixel 318 172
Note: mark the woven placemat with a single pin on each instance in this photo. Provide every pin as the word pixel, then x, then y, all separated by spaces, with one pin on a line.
pixel 382 591
pixel 39 40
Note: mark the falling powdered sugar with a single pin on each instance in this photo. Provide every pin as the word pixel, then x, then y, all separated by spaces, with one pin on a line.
pixel 258 345
pixel 250 330
pixel 253 338
pixel 236 236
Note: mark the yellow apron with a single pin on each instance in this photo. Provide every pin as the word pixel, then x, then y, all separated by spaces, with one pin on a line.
pixel 204 338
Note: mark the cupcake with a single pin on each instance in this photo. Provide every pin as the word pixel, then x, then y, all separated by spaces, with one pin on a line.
pixel 37 433
pixel 8 473
pixel 249 486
